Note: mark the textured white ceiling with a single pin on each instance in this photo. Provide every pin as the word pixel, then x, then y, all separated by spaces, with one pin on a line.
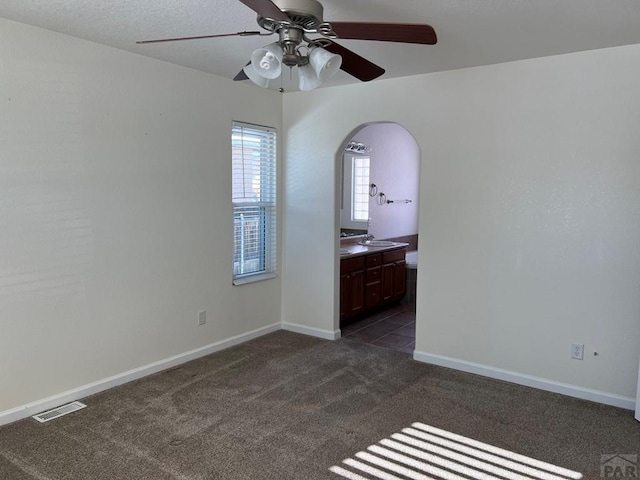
pixel 470 32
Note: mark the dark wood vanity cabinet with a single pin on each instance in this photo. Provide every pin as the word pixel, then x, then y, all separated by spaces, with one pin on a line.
pixel 370 281
pixel 394 269
pixel 352 280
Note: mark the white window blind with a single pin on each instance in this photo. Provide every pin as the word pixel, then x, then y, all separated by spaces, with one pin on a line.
pixel 254 202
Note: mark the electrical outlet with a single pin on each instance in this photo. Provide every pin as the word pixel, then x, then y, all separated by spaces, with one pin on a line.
pixel 202 317
pixel 577 351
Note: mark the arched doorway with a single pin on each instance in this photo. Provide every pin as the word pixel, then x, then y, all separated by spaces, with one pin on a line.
pixel 378 189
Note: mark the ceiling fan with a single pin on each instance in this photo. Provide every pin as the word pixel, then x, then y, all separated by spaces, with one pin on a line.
pixel 317 59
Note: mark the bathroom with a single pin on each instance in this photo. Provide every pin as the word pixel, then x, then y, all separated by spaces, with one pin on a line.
pixel 379 189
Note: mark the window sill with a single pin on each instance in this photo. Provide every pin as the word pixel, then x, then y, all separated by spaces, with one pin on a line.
pixel 253 278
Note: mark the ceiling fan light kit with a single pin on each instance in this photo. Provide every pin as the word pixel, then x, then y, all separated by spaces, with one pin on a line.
pixel 317 59
pixel 307 78
pixel 253 75
pixel 267 61
pixel 324 63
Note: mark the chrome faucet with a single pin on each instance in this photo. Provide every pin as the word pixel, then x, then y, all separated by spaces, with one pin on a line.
pixel 367 238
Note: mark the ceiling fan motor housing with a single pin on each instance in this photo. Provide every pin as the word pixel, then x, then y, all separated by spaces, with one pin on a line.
pixel 290 38
pixel 305 13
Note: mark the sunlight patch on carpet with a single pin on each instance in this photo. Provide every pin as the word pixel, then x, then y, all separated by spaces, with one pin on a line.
pixel 423 452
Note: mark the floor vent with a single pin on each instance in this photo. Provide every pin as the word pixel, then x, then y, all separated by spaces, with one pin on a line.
pixel 59 411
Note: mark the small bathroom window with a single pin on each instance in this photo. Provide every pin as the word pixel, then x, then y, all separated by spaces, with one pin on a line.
pixel 360 190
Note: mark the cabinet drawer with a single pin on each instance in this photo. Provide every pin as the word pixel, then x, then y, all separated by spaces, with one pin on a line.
pixel 351 264
pixel 372 297
pixel 393 256
pixel 372 275
pixel 374 260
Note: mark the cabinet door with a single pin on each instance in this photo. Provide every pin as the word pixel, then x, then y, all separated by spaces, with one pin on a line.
pixel 357 292
pixel 388 275
pixel 345 295
pixel 399 280
pixel 351 294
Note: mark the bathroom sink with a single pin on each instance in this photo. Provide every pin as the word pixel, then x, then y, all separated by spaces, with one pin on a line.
pixel 379 243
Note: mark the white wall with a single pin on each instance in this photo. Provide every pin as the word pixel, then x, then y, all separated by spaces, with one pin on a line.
pixel 529 212
pixel 115 213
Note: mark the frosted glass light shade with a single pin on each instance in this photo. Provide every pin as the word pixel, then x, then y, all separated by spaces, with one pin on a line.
pixel 267 61
pixel 307 78
pixel 325 63
pixel 255 77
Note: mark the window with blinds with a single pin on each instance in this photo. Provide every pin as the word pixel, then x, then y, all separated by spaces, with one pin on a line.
pixel 254 202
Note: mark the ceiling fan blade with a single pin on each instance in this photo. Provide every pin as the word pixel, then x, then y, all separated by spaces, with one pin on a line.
pixel 239 34
pixel 354 64
pixel 386 32
pixel 267 9
pixel 241 75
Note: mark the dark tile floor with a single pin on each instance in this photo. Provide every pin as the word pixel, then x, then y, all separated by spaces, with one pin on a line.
pixel 394 327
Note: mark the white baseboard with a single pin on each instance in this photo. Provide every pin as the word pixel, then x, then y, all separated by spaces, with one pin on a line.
pixel 24 411
pixel 637 415
pixel 34 408
pixel 527 380
pixel 313 332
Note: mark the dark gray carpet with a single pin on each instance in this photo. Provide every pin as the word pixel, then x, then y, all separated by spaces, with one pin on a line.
pixel 288 406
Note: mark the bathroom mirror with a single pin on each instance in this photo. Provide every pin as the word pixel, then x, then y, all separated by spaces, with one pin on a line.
pixel 385 160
